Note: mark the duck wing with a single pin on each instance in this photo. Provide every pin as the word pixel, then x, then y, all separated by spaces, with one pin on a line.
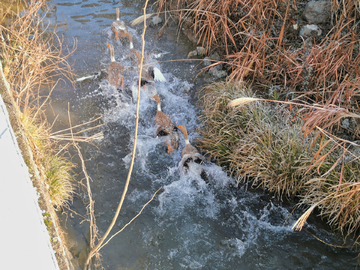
pixel 158 76
pixel 163 120
pixel 115 73
pixel 189 150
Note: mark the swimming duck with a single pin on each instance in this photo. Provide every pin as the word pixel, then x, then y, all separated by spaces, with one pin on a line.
pixel 120 30
pixel 149 88
pixel 149 73
pixel 188 149
pixel 148 77
pixel 191 154
pixel 166 127
pixel 115 71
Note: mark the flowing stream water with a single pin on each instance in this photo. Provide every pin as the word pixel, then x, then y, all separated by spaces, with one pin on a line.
pixel 190 224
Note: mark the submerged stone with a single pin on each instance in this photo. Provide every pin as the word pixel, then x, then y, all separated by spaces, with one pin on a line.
pixel 217 72
pixel 207 61
pixel 309 30
pixel 156 20
pixel 199 51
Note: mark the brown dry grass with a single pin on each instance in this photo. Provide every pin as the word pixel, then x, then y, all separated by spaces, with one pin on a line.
pixel 259 44
pixel 32 55
pixel 224 23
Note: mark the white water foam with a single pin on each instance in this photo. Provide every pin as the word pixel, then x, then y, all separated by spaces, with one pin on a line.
pixel 190 212
pixel 196 224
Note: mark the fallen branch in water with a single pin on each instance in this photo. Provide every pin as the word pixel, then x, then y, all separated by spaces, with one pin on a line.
pixel 93 230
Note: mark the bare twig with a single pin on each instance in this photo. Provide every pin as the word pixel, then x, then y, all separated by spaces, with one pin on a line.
pixel 93 227
pixel 127 224
pixel 94 250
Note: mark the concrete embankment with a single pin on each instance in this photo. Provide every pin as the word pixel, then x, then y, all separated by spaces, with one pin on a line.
pixel 25 239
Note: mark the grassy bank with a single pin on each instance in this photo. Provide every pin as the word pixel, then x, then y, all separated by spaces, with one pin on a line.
pixel 306 148
pixel 260 143
pixel 32 62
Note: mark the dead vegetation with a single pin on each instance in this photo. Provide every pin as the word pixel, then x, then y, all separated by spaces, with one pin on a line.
pixel 308 149
pixel 262 144
pixel 257 142
pixel 32 61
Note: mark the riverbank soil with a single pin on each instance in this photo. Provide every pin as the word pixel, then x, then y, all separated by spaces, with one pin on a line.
pixel 306 52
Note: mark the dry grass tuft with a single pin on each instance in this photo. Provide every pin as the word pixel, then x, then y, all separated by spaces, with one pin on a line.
pixel 338 202
pixel 257 142
pixel 57 168
pixel 261 143
pixel 59 179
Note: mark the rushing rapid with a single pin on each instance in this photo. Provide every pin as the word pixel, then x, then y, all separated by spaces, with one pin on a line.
pixel 191 223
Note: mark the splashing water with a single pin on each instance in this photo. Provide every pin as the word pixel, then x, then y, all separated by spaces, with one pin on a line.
pixel 192 224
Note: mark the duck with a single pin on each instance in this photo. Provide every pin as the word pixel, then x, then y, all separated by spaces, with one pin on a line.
pixel 115 71
pixel 148 77
pixel 191 154
pixel 188 149
pixel 120 30
pixel 151 74
pixel 166 127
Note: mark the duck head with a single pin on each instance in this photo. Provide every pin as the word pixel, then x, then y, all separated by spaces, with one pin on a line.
pixel 157 99
pixel 184 131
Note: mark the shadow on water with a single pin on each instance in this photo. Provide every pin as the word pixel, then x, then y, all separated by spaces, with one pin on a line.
pixel 190 224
